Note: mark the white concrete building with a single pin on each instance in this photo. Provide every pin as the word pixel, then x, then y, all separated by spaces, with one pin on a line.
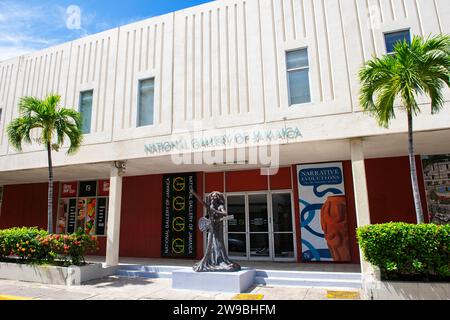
pixel 283 68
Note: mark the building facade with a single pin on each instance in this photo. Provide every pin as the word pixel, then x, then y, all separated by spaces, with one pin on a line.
pixel 257 99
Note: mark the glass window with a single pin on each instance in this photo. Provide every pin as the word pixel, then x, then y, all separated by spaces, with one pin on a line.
pixel 145 102
pixel 283 245
pixel 86 110
pixel 258 213
pixel 237 244
pixel 393 38
pixel 298 76
pixel 236 207
pixel 259 245
pixel 282 212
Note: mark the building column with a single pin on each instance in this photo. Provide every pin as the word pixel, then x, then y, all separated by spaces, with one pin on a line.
pixel 114 208
pixel 361 196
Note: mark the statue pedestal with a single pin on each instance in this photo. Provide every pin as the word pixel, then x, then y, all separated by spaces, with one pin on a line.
pixel 233 282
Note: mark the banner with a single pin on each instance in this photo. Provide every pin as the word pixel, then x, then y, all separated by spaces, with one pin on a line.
pixel 71 219
pixel 179 215
pixel 88 189
pixel 101 216
pixel 323 214
pixel 436 171
pixel 69 190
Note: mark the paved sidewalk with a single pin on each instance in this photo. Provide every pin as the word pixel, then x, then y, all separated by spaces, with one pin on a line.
pixel 117 288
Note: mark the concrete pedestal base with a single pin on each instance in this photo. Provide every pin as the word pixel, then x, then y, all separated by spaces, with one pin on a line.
pixel 233 282
pixel 69 276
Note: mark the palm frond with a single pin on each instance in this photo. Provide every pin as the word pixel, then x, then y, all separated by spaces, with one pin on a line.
pixel 29 106
pixel 68 123
pixel 20 130
pixel 54 121
pixel 377 78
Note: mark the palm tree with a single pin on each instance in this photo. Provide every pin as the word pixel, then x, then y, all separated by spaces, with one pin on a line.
pixel 419 68
pixel 55 124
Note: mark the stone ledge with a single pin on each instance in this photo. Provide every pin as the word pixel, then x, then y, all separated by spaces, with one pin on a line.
pixel 68 276
pixel 376 289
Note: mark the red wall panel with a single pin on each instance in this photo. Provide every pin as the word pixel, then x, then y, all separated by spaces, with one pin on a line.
pixel 214 182
pixel 26 205
pixel 141 217
pixel 282 180
pixel 250 180
pixel 389 188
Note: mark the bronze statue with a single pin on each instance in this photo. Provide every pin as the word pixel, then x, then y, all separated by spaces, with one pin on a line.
pixel 216 257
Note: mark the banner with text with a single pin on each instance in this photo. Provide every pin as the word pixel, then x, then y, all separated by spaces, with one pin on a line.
pixel 436 173
pixel 323 214
pixel 179 215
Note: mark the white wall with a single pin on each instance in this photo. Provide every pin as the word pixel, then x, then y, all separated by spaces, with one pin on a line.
pixel 219 65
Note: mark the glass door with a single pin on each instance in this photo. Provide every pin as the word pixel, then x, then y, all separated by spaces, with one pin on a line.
pixel 282 226
pixel 262 228
pixel 258 217
pixel 237 227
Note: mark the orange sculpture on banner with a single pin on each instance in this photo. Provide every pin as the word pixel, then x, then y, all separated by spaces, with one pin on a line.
pixel 333 218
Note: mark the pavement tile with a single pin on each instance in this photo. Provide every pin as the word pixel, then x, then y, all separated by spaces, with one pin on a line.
pixel 118 288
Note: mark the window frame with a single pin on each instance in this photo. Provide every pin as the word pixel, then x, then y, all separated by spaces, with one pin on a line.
pixel 138 109
pixel 92 108
pixel 392 32
pixel 288 71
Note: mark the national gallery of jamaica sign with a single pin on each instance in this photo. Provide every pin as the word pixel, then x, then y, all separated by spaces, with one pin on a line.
pixel 199 141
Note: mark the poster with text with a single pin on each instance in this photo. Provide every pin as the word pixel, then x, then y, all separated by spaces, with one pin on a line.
pixel 179 214
pixel 101 216
pixel 90 215
pixel 436 171
pixel 63 214
pixel 72 216
pixel 323 212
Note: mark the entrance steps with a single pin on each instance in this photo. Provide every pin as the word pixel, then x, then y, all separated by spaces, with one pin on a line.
pixel 308 279
pixel 262 277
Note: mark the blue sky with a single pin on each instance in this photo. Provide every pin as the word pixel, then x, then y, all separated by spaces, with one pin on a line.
pixel 29 25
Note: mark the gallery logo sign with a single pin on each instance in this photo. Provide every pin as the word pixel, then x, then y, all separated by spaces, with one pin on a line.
pixel 179 215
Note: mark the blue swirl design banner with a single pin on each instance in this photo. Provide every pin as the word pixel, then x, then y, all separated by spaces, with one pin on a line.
pixel 316 182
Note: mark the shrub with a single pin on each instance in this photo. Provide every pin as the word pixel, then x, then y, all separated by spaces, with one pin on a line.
pixel 32 245
pixel 407 251
pixel 23 243
pixel 70 248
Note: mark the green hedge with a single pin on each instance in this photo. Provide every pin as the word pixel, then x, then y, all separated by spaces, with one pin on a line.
pixel 407 251
pixel 31 245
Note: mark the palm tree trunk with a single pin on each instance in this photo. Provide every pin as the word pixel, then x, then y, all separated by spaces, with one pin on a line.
pixel 413 171
pixel 50 190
